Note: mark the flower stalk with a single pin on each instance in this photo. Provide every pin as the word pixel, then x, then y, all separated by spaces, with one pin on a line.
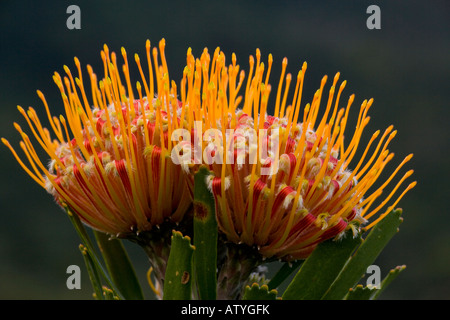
pixel 236 264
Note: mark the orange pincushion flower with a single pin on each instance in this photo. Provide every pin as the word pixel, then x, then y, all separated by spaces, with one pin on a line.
pixel 110 163
pixel 281 185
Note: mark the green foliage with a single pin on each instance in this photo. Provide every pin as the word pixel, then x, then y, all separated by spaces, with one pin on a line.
pixel 332 272
pixel 388 279
pixel 97 272
pixel 255 292
pixel 119 266
pixel 178 277
pixel 320 270
pixel 284 272
pixel 205 237
pixel 372 292
pixel 336 266
pixel 365 255
pixel 361 293
pixel 94 276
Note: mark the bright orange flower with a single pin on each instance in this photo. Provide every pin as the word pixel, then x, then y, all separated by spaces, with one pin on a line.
pixel 283 183
pixel 110 161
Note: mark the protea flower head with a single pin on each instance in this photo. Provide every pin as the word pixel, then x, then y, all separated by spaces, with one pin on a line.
pixel 284 183
pixel 110 162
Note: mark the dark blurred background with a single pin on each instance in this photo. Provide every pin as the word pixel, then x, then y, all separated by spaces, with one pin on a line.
pixel 404 66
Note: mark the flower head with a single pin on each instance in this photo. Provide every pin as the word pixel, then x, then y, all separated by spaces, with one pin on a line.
pixel 109 157
pixel 284 183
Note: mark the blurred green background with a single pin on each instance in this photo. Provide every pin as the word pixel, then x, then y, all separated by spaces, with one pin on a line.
pixel 405 67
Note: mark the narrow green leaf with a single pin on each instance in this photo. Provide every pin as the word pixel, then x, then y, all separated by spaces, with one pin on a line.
pixel 178 278
pixel 119 266
pixel 109 294
pixel 361 293
pixel 255 292
pixel 321 268
pixel 205 237
pixel 366 254
pixel 82 233
pixel 372 292
pixel 94 276
pixel 285 271
pixel 388 279
pixel 79 228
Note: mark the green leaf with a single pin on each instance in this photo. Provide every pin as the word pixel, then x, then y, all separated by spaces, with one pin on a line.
pixel 94 276
pixel 255 292
pixel 84 236
pixel 205 237
pixel 388 279
pixel 178 278
pixel 321 268
pixel 361 293
pixel 285 271
pixel 119 266
pixel 365 255
pixel 373 292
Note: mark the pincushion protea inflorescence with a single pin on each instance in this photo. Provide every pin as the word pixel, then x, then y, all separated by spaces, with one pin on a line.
pixel 123 157
pixel 281 185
